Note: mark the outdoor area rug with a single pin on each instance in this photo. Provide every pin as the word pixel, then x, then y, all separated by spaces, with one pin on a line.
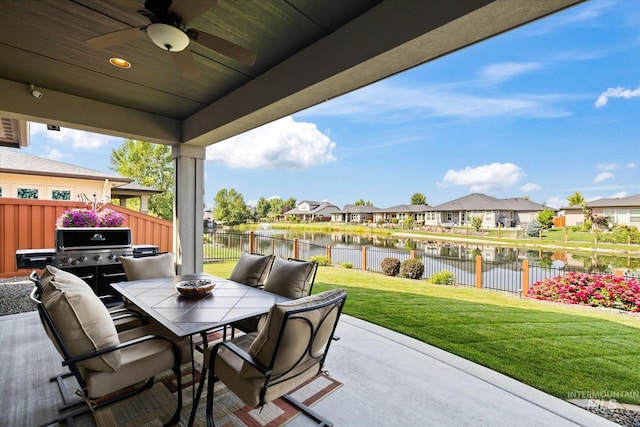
pixel 155 406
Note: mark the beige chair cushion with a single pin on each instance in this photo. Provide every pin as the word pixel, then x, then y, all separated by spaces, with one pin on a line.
pixel 139 362
pixel 251 269
pixel 162 265
pixel 81 318
pixel 290 279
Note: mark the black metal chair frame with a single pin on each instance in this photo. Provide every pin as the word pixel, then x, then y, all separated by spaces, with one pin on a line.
pixel 268 370
pixel 71 363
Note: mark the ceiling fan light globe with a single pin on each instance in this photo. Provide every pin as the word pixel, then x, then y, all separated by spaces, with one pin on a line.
pixel 167 37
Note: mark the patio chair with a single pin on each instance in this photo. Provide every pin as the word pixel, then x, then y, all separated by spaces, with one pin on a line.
pixel 108 365
pixel 291 349
pixel 151 267
pixel 252 269
pixel 291 278
pixel 124 315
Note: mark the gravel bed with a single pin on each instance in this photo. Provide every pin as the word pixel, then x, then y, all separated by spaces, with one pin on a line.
pixel 14 299
pixel 14 295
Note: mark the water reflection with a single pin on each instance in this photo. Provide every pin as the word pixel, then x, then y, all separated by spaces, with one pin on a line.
pixel 560 259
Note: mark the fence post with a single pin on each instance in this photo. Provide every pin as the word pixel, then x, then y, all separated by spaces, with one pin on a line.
pixel 296 249
pixel 478 271
pixel 618 273
pixel 364 258
pixel 329 254
pixel 252 242
pixel 525 277
pixel 595 237
pixel 273 247
pixel 412 254
pixel 566 235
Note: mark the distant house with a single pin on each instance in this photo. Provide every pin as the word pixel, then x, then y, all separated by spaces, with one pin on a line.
pixel 619 211
pixel 308 210
pixel 355 214
pixel 24 176
pixel 512 212
pixel 401 212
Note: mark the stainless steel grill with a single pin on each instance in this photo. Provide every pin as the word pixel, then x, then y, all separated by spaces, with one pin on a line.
pixel 90 253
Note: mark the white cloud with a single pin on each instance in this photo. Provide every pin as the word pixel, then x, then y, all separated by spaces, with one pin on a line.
pixel 607 167
pixel 530 186
pixel 619 195
pixel 486 178
pixel 556 202
pixel 506 70
pixel 284 143
pixel 77 138
pixel 631 165
pixel 54 154
pixel 601 177
pixel 389 102
pixel 616 92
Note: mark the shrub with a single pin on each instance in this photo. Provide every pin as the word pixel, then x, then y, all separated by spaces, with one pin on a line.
pixel 390 266
pixel 594 290
pixel 321 260
pixel 533 228
pixel 411 269
pixel 622 234
pixel 545 218
pixel 444 277
pixel 346 264
pixel 476 222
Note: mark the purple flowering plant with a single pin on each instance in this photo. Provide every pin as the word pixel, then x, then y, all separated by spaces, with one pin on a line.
pixel 88 218
pixel 597 290
pixel 110 218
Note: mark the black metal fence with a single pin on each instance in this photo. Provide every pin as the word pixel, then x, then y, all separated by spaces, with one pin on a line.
pixel 506 276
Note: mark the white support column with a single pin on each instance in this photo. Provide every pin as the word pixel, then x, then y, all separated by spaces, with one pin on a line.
pixel 188 207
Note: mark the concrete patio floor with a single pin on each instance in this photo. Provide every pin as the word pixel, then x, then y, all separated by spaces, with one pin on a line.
pixel 389 380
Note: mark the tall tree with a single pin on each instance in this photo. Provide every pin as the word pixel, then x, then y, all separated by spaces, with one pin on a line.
pixel 418 199
pixel 152 166
pixel 229 207
pixel 576 199
pixel 289 204
pixel 361 202
pixel 263 207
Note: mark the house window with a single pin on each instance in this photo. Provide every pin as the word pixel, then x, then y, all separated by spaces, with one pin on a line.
pixel 0 191
pixel 27 193
pixel 60 195
pixel 634 215
pixel 449 217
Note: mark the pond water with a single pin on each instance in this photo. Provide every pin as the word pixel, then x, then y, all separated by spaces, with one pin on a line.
pixel 464 250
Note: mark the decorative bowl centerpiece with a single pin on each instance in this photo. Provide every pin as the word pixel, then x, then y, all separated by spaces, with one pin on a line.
pixel 194 288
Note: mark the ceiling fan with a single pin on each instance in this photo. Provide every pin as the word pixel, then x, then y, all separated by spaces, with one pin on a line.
pixel 168 30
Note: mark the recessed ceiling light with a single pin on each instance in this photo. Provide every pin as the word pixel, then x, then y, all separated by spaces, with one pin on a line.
pixel 120 63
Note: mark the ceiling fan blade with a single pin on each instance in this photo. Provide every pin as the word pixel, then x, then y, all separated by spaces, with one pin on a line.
pixel 127 5
pixel 117 37
pixel 191 9
pixel 224 47
pixel 187 64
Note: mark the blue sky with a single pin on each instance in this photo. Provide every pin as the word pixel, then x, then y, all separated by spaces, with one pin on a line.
pixel 544 110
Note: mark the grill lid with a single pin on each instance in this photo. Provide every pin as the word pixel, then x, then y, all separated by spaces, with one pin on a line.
pixel 92 238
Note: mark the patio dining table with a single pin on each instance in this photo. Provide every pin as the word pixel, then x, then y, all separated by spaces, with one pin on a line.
pixel 228 302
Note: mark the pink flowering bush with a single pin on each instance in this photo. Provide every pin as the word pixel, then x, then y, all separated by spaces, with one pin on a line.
pixel 110 218
pixel 588 289
pixel 88 218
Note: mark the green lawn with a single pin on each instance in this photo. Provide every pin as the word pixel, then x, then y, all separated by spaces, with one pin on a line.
pixel 557 348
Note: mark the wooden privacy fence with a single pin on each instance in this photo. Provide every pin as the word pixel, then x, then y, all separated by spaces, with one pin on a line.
pixel 31 224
